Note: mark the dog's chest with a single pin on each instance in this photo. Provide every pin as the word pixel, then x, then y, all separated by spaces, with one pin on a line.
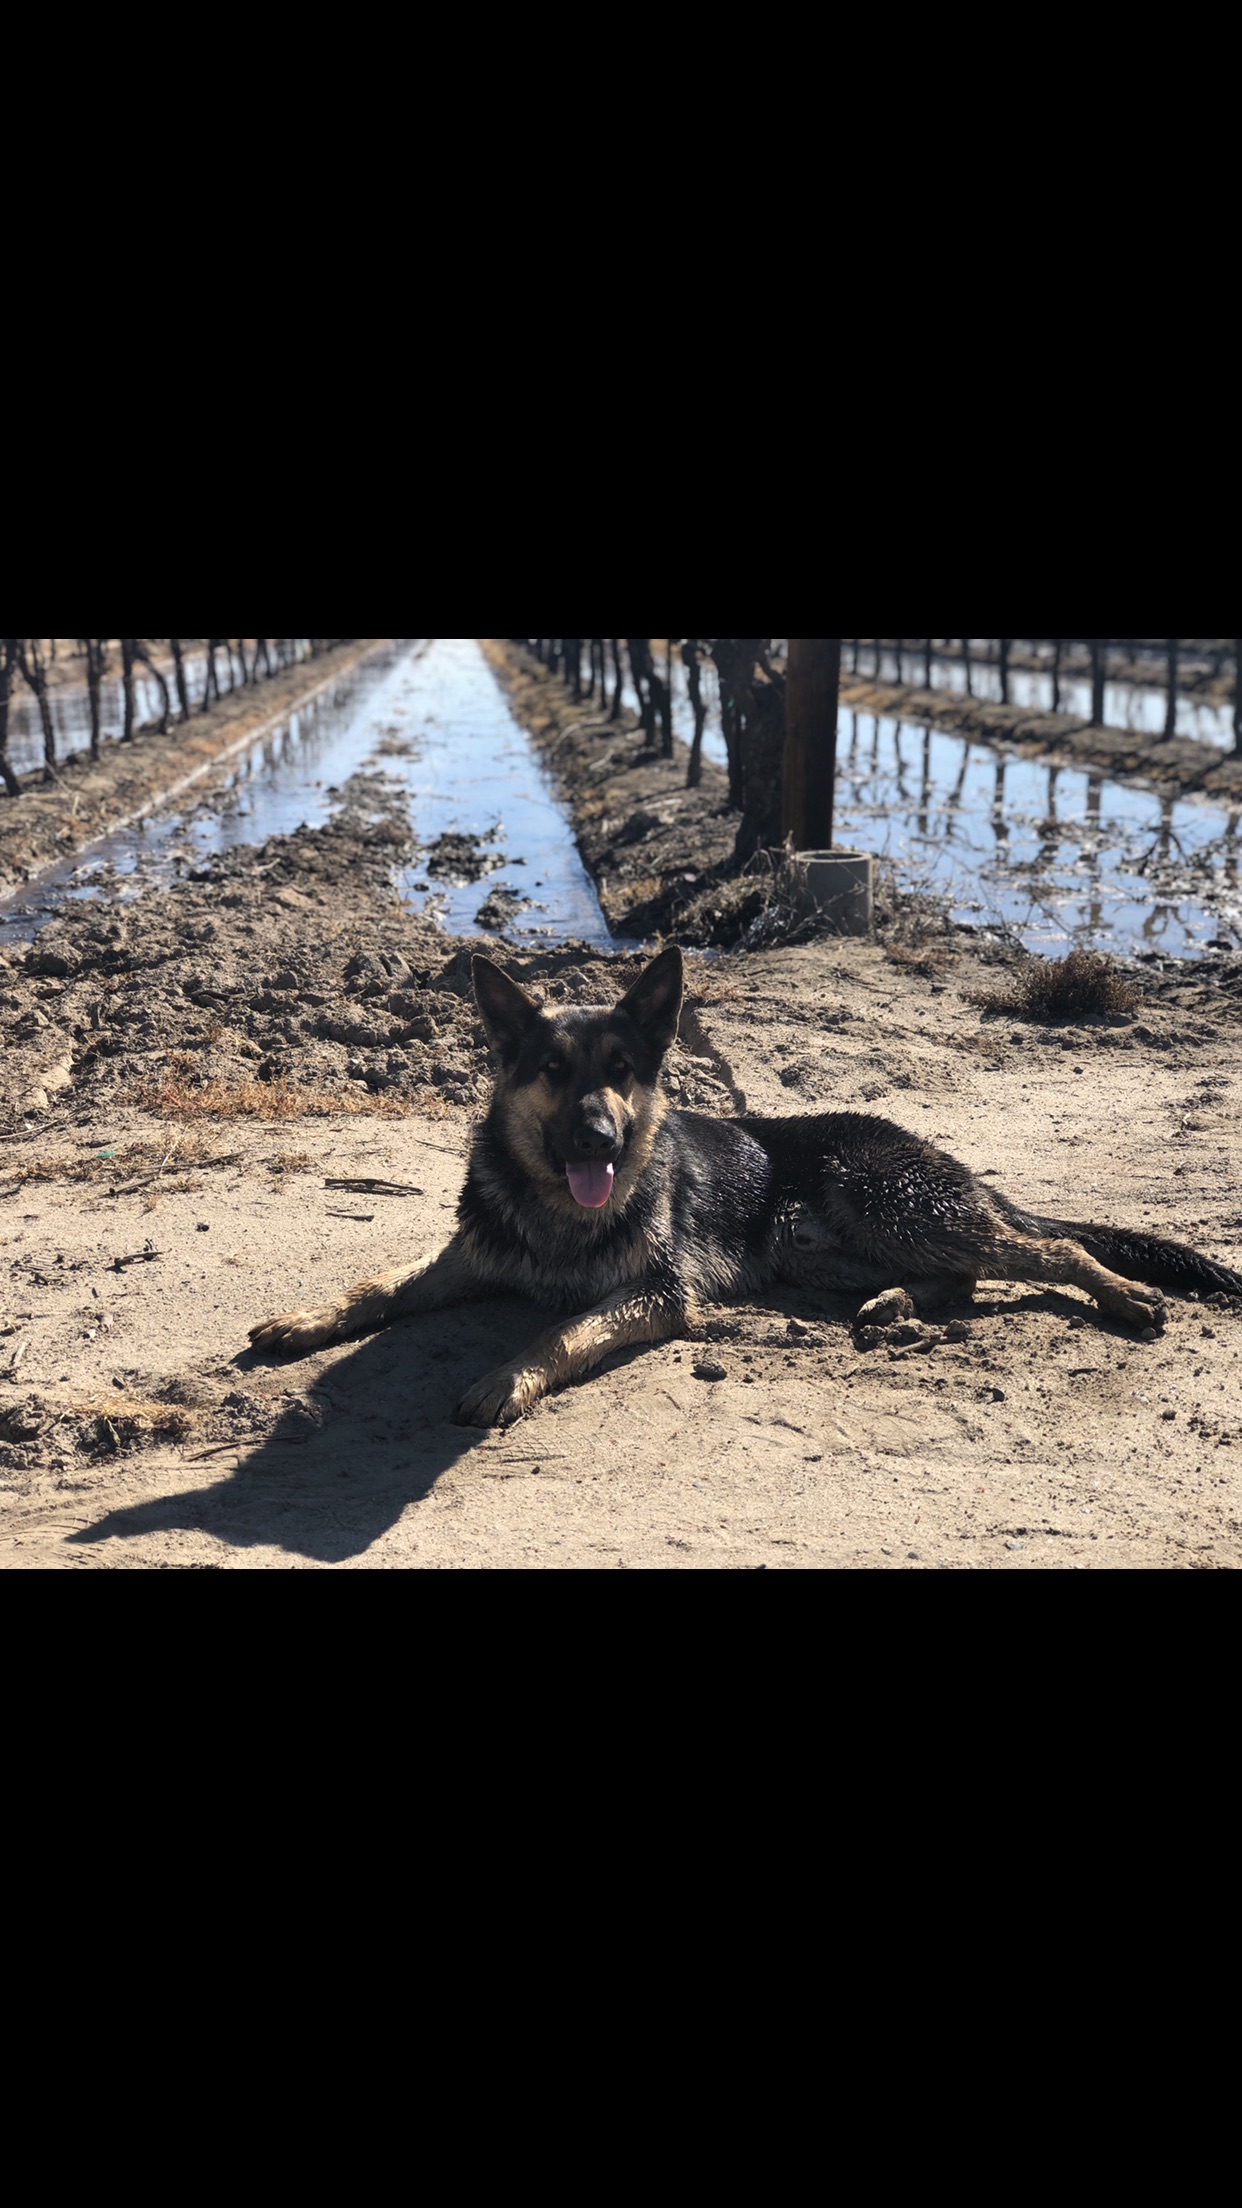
pixel 547 1259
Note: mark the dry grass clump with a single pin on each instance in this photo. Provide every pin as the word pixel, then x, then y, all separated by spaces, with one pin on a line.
pixel 122 1162
pixel 1081 985
pixel 180 1099
pixel 129 1157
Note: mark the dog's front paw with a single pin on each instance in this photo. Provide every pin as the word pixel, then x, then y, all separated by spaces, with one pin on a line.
pixel 505 1395
pixel 1136 1306
pixel 295 1333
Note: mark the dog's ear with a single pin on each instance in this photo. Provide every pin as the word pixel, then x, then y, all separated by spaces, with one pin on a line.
pixel 507 1010
pixel 654 1002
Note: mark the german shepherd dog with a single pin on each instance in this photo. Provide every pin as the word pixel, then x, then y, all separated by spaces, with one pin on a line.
pixel 587 1194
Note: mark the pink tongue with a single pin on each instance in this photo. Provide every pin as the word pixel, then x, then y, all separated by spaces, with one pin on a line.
pixel 590 1184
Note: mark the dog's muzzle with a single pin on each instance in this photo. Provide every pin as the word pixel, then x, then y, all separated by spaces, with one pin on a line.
pixel 596 1147
pixel 597 1138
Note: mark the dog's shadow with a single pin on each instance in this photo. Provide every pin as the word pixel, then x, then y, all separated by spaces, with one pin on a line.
pixel 368 1431
pixel 363 1436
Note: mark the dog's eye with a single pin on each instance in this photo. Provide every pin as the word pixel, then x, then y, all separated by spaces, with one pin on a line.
pixel 620 1068
pixel 554 1068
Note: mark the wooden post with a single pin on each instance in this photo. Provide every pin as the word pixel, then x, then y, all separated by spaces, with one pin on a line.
pixel 812 693
pixel 128 655
pixel 1097 682
pixel 8 661
pixel 1170 710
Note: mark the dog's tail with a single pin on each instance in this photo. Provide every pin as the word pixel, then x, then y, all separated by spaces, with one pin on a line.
pixel 1146 1257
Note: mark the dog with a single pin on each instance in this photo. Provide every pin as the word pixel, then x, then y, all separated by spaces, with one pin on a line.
pixel 586 1193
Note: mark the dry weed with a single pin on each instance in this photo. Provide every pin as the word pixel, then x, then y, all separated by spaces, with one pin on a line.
pixel 638 889
pixel 120 1162
pixel 1081 985
pixel 182 1100
pixel 118 1422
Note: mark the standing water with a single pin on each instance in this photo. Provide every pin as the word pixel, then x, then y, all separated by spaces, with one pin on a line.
pixel 1137 706
pixel 1054 855
pixel 432 721
pixel 71 712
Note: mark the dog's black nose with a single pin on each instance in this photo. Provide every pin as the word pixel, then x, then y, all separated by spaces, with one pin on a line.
pixel 596 1138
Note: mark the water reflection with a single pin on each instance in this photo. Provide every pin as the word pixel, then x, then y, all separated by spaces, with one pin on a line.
pixel 1058 854
pixel 429 719
pixel 71 713
pixel 1134 706
pixel 1055 854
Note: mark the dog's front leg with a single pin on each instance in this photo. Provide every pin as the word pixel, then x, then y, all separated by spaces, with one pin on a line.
pixel 400 1293
pixel 565 1353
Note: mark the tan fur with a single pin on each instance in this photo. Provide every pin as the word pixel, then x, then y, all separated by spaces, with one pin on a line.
pixel 1012 1256
pixel 1066 1264
pixel 567 1353
pixel 401 1293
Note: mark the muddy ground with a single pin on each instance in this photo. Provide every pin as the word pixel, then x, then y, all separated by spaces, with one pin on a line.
pixel 259 1086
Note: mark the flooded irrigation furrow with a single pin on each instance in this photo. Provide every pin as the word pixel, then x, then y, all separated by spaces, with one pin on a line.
pixel 429 723
pixel 69 704
pixel 1136 707
pixel 1056 855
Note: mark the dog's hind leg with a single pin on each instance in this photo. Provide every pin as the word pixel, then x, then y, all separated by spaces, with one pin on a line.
pixel 401 1293
pixel 631 1317
pixel 1065 1263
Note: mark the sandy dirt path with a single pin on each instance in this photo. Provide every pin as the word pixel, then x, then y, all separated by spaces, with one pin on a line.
pixel 1043 1439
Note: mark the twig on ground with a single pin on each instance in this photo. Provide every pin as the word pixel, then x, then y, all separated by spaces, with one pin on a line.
pixel 148 1180
pixel 368 1187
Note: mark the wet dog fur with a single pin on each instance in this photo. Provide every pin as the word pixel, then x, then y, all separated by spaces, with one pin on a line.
pixel 700 1210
